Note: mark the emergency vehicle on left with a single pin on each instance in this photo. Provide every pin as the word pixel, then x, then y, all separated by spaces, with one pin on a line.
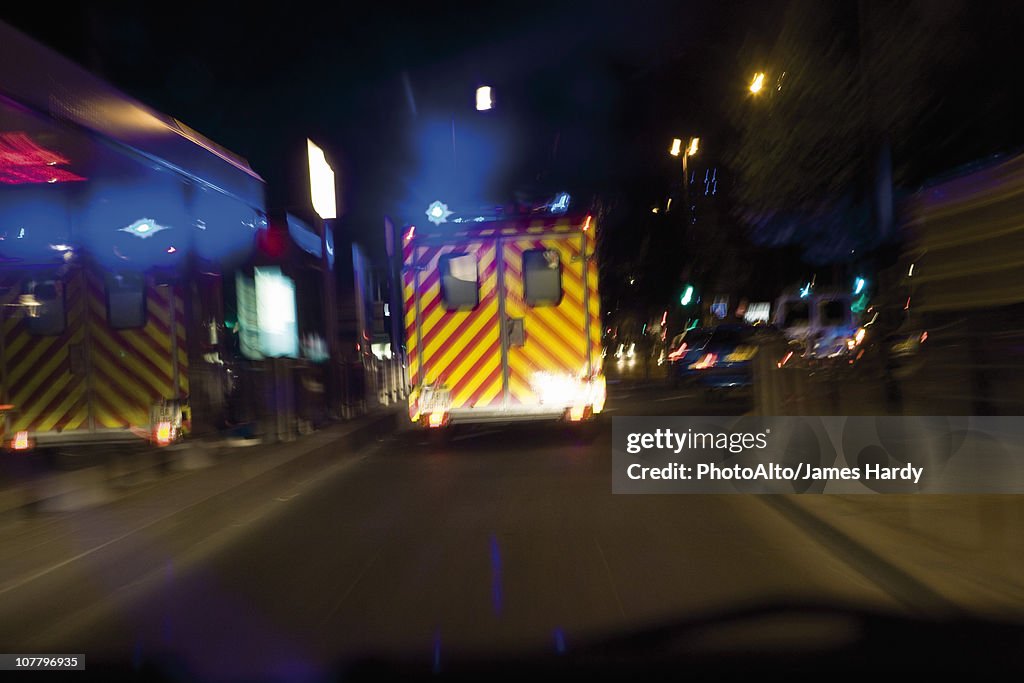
pixel 117 226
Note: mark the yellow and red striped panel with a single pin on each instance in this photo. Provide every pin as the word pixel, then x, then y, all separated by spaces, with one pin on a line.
pixel 409 308
pixel 40 384
pixel 555 340
pixel 460 349
pixel 594 303
pixel 134 368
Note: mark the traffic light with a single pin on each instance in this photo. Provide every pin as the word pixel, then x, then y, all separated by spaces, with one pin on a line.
pixel 860 291
pixel 687 298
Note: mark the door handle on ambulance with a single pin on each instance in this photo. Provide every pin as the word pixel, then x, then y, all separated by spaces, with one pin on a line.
pixel 515 329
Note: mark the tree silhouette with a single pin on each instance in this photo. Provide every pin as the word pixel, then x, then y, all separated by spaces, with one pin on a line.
pixel 846 84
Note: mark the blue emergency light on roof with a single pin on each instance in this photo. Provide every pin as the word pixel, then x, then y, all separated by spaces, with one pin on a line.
pixel 561 203
pixel 437 213
pixel 144 228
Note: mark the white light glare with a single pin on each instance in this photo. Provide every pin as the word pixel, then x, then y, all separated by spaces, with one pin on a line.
pixel 144 228
pixel 561 203
pixel 483 98
pixel 438 213
pixel 321 182
pixel 758 83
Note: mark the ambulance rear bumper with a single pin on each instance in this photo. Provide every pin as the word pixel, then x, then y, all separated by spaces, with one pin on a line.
pixel 520 414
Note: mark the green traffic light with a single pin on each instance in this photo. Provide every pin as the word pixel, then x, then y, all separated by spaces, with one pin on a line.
pixel 687 296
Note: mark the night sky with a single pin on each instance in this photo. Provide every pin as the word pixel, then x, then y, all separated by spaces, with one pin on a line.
pixel 588 94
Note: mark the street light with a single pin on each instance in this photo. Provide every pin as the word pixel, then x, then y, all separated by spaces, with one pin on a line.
pixel 691 149
pixel 757 84
pixel 323 196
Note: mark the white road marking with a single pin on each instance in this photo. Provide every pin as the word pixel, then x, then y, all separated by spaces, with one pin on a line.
pixel 18 582
pixel 676 398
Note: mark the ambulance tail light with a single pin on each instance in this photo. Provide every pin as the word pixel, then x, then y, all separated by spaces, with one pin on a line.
pixel 21 442
pixel 163 434
pixel 437 420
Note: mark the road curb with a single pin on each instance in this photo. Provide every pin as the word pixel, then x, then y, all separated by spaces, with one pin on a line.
pixel 910 590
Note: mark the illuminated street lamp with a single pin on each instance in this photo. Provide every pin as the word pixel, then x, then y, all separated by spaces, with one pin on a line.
pixel 757 84
pixel 321 182
pixel 691 149
pixel 323 196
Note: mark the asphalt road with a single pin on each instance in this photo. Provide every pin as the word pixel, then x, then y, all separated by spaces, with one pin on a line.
pixel 495 542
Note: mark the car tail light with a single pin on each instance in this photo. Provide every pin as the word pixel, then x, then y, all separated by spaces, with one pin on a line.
pixel 706 361
pixel 678 353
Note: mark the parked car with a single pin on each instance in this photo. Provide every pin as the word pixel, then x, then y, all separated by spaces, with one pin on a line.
pixel 717 358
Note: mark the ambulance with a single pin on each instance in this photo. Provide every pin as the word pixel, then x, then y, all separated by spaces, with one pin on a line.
pixel 118 225
pixel 502 320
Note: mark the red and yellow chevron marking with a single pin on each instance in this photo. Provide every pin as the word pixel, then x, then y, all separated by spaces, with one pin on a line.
pixel 594 304
pixel 461 349
pixel 132 369
pixel 409 309
pixel 46 395
pixel 555 339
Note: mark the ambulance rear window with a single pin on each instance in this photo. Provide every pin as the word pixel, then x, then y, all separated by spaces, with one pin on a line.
pixel 44 304
pixel 542 277
pixel 459 281
pixel 126 300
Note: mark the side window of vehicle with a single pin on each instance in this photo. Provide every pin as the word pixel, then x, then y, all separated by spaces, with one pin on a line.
pixel 833 312
pixel 44 305
pixel 460 287
pixel 126 300
pixel 542 277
